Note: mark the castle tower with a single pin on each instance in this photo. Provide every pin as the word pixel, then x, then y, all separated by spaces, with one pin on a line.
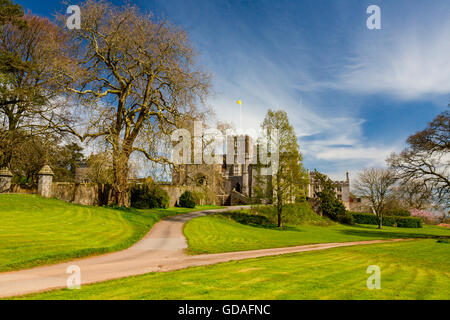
pixel 245 173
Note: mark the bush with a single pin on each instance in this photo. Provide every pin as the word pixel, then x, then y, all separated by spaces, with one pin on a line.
pixel 346 218
pixel 331 206
pixel 148 196
pixel 187 200
pixel 408 222
pixel 389 221
pixel 398 212
pixel 364 218
pixel 249 219
pixel 293 214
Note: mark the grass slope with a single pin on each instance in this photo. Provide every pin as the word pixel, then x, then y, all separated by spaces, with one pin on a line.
pixel 418 269
pixel 36 231
pixel 220 233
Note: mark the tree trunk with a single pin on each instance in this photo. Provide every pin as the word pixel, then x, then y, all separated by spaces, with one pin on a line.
pixel 120 186
pixel 280 211
pixel 280 222
pixel 279 200
pixel 380 221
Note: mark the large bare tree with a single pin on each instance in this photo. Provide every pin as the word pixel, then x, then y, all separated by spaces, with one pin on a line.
pixel 376 185
pixel 32 53
pixel 427 158
pixel 138 77
pixel 414 194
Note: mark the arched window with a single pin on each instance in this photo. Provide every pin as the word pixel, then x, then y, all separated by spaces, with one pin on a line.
pixel 200 179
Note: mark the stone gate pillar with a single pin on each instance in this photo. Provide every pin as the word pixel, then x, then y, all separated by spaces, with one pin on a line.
pixel 45 180
pixel 5 180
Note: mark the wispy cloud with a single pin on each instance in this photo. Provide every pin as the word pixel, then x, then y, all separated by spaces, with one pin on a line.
pixel 409 59
pixel 321 64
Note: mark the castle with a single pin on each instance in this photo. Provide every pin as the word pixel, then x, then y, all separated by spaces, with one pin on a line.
pixel 342 189
pixel 235 182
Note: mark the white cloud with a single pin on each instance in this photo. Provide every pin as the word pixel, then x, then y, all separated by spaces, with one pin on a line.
pixel 407 59
pixel 408 62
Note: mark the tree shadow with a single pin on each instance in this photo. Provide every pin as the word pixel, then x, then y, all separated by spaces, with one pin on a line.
pixel 257 221
pixel 390 234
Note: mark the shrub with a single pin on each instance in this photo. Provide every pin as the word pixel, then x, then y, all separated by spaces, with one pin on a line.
pixel 390 221
pixel 398 212
pixel 364 218
pixel 187 200
pixel 148 196
pixel 249 219
pixel 428 217
pixel 294 214
pixel 346 218
pixel 331 206
pixel 409 222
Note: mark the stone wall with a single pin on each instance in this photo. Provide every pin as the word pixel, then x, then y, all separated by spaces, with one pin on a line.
pixel 82 193
pixel 98 195
pixel 237 198
pixel 79 193
pixel 176 191
pixel 15 188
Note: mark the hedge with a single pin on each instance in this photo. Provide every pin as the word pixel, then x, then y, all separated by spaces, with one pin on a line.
pixel 390 221
pixel 397 212
pixel 409 222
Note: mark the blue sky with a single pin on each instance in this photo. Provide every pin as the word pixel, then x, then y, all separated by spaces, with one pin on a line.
pixel 353 94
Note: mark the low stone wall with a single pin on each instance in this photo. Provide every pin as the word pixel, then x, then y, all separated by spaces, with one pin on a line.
pixel 98 195
pixel 175 192
pixel 15 188
pixel 238 199
pixel 82 193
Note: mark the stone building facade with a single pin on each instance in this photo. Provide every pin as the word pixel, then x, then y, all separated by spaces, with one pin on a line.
pixel 342 189
pixel 233 181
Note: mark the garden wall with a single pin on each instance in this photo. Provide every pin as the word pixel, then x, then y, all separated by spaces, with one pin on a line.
pixel 79 193
pixel 98 194
pixel 82 193
pixel 176 191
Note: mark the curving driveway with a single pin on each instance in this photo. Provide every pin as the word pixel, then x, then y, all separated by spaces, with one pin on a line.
pixel 162 249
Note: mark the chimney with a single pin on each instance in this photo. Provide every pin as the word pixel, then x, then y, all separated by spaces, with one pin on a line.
pixel 347 174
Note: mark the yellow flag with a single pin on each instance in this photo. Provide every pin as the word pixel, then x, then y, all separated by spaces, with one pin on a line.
pixel 239 102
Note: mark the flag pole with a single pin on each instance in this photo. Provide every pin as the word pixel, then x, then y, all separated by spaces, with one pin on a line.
pixel 240 116
pixel 239 102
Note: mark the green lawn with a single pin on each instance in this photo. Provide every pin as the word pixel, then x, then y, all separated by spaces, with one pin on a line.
pixel 220 233
pixel 417 269
pixel 36 231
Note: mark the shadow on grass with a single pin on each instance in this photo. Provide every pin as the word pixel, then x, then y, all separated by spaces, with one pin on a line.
pixel 257 221
pixel 390 234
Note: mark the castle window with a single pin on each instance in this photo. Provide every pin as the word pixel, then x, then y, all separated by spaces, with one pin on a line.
pixel 201 180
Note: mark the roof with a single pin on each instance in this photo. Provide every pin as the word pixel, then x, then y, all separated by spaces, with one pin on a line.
pixel 4 172
pixel 46 171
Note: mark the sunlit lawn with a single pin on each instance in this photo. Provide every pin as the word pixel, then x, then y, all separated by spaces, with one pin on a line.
pixel 35 231
pixel 219 233
pixel 417 269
